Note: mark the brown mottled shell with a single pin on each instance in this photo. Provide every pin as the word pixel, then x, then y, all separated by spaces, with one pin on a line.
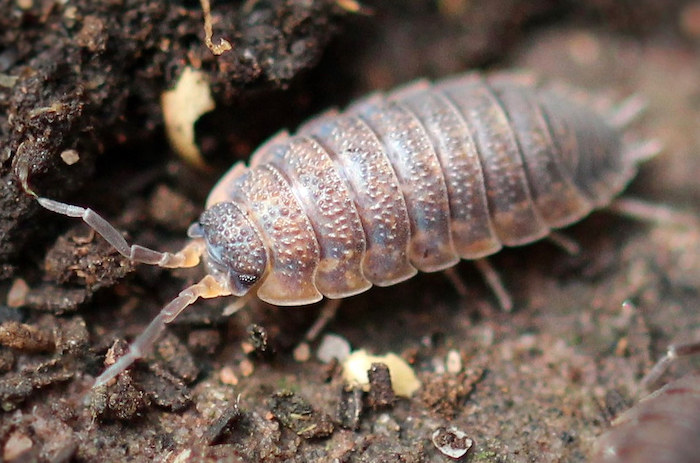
pixel 420 177
pixel 662 428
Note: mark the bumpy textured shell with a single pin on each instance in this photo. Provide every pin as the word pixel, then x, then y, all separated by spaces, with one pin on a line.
pixel 662 428
pixel 420 177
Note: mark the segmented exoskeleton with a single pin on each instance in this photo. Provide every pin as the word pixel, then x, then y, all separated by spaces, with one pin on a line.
pixel 412 180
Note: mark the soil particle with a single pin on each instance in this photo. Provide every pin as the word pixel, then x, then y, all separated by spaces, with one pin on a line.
pixel 258 339
pixel 163 388
pixel 446 393
pixel 26 337
pixel 174 355
pixel 83 261
pixel 121 400
pixel 350 407
pixel 297 414
pixel 7 360
pixel 221 427
pixel 203 341
pixel 72 337
pixel 54 299
pixel 381 394
pixel 15 387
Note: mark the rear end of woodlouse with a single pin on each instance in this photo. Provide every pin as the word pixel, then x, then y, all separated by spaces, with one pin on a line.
pixel 662 428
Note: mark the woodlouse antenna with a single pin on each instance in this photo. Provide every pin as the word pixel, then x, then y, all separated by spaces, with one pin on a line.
pixel 643 151
pixel 209 287
pixel 189 256
pixel 627 111
pixel 673 352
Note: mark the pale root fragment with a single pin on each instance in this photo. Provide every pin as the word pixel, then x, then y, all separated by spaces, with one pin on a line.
pixel 403 379
pixel 182 107
pixel 216 48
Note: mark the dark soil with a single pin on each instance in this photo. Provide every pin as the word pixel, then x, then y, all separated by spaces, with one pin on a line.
pixel 539 384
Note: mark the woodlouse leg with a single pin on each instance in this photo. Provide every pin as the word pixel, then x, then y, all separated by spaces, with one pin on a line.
pixel 493 279
pixel 650 212
pixel 328 311
pixel 642 151
pixel 627 111
pixel 209 287
pixel 237 305
pixel 327 314
pixel 673 352
pixel 456 281
pixel 568 244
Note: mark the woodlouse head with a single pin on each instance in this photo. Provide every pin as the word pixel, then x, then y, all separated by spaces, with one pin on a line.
pixel 234 246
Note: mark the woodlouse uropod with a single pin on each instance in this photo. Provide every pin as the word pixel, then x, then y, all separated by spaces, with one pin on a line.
pixel 411 180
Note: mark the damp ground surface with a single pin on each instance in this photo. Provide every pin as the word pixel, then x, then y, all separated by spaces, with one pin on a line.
pixel 84 79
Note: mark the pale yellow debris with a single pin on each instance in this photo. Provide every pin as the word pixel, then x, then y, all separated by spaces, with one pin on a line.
pixel 70 157
pixel 403 379
pixel 182 107
pixel 453 362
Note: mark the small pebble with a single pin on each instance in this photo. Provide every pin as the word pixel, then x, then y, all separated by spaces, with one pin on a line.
pixel 70 157
pixel 333 346
pixel 453 362
pixel 302 353
pixel 17 444
pixel 247 368
pixel 17 295
pixel 452 442
pixel 227 376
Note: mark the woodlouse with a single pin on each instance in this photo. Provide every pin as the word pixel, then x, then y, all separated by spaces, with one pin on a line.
pixel 663 427
pixel 411 180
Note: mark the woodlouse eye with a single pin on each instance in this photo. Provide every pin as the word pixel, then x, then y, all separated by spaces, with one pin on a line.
pixel 247 280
